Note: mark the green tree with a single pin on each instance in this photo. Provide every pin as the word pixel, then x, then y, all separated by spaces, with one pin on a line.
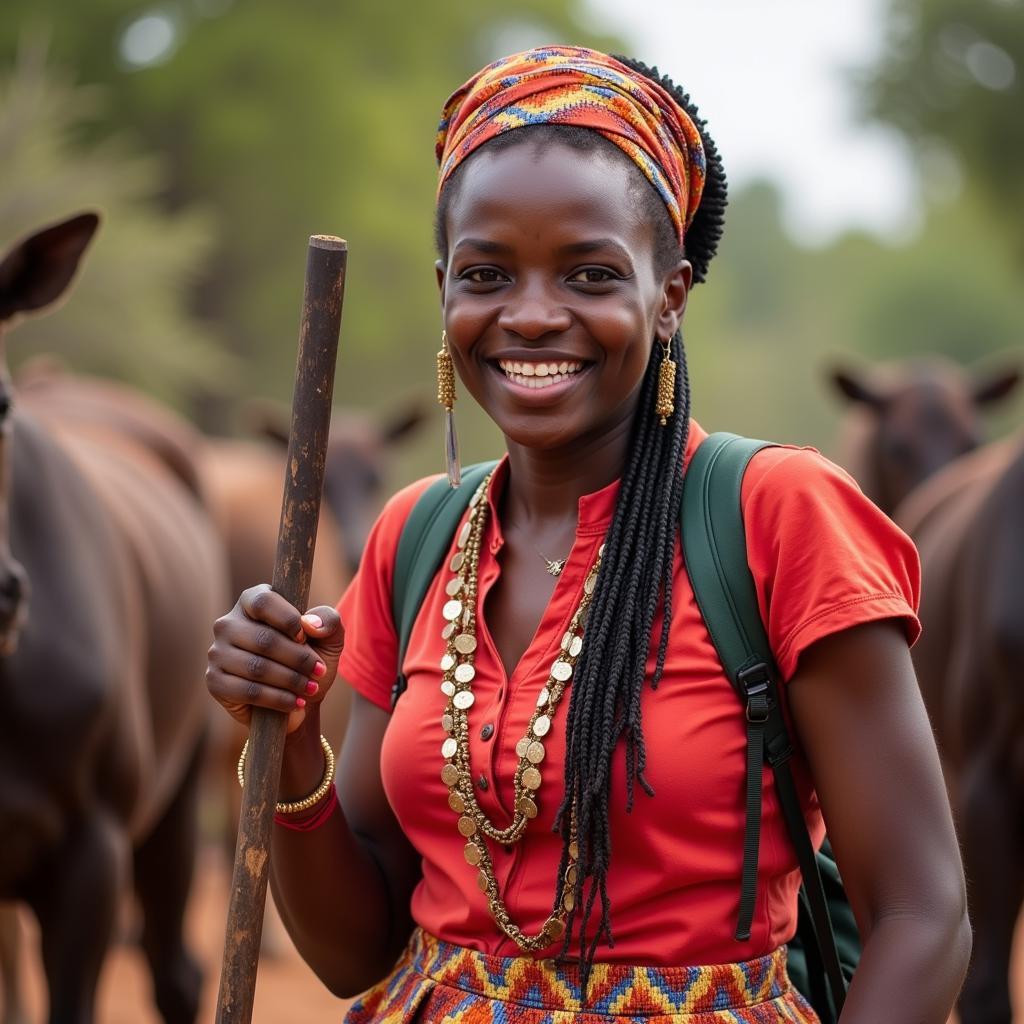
pixel 951 75
pixel 128 316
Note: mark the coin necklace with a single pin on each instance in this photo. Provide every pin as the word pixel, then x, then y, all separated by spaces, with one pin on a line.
pixel 457 664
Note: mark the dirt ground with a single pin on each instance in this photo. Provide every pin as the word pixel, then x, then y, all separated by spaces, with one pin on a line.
pixel 286 989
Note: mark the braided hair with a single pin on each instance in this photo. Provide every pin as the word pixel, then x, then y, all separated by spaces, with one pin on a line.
pixel 636 570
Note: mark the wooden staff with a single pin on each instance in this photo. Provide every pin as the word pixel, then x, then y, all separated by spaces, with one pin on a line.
pixel 300 513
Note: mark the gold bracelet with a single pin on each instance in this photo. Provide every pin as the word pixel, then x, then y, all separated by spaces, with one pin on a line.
pixel 297 806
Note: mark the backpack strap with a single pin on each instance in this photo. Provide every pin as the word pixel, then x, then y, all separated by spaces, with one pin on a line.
pixel 715 555
pixel 424 541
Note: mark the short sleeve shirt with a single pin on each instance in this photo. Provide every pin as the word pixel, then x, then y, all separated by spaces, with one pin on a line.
pixel 824 559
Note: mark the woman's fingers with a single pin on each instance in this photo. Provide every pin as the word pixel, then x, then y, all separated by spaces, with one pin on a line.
pixel 239 695
pixel 267 644
pixel 325 632
pixel 261 604
pixel 260 669
pixel 265 654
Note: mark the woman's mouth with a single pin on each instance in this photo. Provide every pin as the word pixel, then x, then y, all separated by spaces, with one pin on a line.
pixel 539 375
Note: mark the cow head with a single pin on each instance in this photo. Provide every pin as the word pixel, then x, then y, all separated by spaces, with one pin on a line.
pixel 34 274
pixel 913 418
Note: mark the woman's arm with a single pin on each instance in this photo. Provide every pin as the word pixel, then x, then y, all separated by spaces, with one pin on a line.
pixel 859 714
pixel 344 888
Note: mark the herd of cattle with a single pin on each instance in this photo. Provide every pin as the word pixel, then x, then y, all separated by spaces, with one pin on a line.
pixel 124 533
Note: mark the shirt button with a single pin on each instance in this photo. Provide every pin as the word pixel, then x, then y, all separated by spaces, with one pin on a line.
pixel 487 731
pixel 482 782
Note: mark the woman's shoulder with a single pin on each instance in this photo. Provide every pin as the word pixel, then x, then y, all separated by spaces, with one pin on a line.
pixel 783 468
pixel 824 557
pixel 795 490
pixel 786 468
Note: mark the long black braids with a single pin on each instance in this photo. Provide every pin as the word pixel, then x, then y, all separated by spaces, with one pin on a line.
pixel 636 574
pixel 636 570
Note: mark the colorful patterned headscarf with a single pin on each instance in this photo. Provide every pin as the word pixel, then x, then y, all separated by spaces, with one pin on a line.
pixel 576 86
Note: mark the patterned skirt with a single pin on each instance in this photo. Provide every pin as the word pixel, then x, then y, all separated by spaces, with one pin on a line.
pixel 435 982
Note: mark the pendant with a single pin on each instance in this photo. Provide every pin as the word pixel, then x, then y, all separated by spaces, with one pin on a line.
pixel 555 565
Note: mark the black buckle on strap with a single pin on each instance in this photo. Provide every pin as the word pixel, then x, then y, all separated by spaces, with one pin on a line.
pixel 756 683
pixel 398 687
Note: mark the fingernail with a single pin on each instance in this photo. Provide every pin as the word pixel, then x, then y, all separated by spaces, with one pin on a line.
pixel 312 687
pixel 299 702
pixel 319 669
pixel 313 620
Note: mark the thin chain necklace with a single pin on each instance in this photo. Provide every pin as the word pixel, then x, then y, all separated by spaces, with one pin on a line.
pixel 457 664
pixel 554 565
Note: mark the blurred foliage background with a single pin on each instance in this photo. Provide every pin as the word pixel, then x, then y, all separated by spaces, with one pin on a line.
pixel 216 136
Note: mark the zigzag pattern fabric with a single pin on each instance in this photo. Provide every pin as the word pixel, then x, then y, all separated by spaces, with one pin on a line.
pixel 575 86
pixel 442 983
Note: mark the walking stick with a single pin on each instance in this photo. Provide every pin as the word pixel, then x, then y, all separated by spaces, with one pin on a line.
pixel 300 511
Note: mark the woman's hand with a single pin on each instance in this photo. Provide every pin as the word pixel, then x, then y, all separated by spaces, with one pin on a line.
pixel 265 654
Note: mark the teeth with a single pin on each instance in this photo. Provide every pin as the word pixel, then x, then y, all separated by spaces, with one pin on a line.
pixel 538 383
pixel 539 374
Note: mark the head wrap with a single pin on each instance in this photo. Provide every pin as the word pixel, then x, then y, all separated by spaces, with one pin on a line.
pixel 575 86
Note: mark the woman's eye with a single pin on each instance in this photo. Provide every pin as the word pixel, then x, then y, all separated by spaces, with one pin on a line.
pixel 481 275
pixel 592 275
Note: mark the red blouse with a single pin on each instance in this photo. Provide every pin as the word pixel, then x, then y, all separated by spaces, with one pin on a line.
pixel 824 559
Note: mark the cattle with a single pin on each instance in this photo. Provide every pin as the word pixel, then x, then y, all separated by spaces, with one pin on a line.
pixel 909 419
pixel 967 523
pixel 110 574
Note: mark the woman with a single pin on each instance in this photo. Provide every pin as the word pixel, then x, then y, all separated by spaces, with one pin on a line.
pixel 580 198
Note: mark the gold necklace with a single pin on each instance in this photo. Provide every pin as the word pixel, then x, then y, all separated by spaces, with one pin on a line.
pixel 554 565
pixel 457 664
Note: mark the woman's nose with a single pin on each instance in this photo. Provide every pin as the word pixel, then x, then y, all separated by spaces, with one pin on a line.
pixel 531 312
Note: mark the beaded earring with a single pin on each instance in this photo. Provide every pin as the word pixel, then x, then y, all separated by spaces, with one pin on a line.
pixel 446 396
pixel 666 403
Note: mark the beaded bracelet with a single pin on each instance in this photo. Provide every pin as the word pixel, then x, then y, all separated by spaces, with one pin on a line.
pixel 297 806
pixel 312 820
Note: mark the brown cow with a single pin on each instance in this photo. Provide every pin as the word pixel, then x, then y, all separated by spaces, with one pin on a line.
pixel 910 419
pixel 109 573
pixel 968 523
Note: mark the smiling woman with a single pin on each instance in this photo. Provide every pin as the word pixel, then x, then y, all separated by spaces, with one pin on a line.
pixel 594 303
pixel 580 199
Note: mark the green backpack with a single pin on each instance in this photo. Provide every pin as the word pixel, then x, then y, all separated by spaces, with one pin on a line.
pixel 826 948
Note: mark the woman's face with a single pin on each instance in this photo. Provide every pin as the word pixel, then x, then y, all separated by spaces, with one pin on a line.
pixel 550 295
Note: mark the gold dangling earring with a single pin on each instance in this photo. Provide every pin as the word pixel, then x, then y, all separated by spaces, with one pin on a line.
pixel 446 396
pixel 666 404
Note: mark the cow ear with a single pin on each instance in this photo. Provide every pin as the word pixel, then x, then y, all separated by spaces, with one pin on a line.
pixel 856 386
pixel 405 421
pixel 995 384
pixel 37 271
